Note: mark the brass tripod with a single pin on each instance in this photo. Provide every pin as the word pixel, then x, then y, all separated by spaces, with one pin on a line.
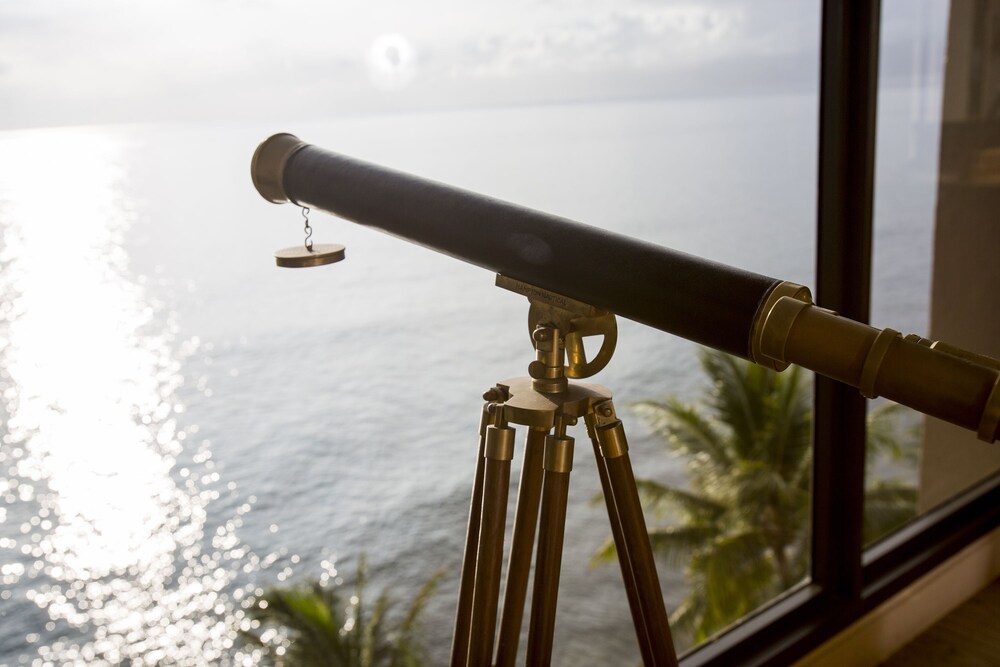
pixel 547 403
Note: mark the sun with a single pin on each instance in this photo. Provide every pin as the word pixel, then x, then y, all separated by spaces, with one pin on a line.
pixel 392 62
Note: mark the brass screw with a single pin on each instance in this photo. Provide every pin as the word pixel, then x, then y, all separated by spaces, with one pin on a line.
pixel 493 395
pixel 536 369
pixel 606 411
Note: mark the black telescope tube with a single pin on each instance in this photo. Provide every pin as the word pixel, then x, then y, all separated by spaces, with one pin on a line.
pixel 704 301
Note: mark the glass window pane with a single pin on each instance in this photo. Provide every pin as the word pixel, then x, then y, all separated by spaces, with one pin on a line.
pixel 186 425
pixel 935 267
pixel 728 495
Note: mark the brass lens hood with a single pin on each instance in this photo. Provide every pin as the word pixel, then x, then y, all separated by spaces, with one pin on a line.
pixel 267 168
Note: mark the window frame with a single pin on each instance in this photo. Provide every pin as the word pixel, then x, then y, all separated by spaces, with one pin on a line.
pixel 848 581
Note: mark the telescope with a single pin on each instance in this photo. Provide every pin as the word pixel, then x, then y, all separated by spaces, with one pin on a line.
pixel 577 279
pixel 769 321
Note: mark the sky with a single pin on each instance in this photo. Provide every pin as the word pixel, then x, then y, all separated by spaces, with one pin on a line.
pixel 70 62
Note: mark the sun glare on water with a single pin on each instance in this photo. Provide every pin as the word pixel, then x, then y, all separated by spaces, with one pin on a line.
pixel 101 530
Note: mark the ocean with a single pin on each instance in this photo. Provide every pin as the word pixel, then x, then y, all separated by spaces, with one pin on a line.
pixel 185 424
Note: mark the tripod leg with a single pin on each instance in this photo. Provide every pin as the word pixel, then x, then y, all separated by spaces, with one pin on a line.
pixel 463 616
pixel 633 545
pixel 555 491
pixel 628 577
pixel 496 483
pixel 521 546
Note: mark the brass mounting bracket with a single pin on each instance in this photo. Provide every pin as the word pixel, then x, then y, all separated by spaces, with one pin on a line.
pixel 578 320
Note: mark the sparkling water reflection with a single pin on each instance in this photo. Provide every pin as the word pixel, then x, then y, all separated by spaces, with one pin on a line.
pixel 105 513
pixel 118 541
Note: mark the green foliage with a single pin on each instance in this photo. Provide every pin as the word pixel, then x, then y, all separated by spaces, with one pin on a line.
pixel 741 527
pixel 310 625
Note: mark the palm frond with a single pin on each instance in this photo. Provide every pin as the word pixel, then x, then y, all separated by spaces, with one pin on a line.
pixel 677 544
pixel 789 429
pixel 760 495
pixel 888 505
pixel 674 544
pixel 424 595
pixel 408 651
pixel 371 634
pixel 881 431
pixel 741 527
pixel 305 614
pixel 321 630
pixel 737 396
pixel 686 620
pixel 662 500
pixel 605 553
pixel 738 577
pixel 684 429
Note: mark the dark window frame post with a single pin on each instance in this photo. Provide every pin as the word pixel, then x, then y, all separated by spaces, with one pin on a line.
pixel 848 94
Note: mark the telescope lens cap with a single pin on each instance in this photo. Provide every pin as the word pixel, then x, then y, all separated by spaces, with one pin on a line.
pixel 300 256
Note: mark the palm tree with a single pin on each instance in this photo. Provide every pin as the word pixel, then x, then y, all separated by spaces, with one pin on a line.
pixel 740 529
pixel 310 625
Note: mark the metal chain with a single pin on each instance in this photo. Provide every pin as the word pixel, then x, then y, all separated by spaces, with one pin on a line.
pixel 308 230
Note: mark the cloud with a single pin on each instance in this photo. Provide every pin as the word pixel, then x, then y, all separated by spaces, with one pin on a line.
pixel 115 61
pixel 613 36
pixel 110 60
pixel 635 36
